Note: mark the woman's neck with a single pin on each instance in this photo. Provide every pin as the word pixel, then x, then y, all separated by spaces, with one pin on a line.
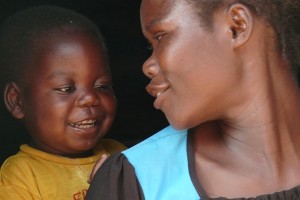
pixel 255 140
pixel 264 122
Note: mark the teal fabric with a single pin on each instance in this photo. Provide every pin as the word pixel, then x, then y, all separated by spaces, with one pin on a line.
pixel 161 166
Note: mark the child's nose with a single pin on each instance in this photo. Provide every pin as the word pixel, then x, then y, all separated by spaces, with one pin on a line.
pixel 150 67
pixel 88 98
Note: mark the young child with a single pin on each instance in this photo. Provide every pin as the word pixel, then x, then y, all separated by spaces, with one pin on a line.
pixel 58 83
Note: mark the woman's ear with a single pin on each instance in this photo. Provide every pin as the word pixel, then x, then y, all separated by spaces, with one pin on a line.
pixel 241 23
pixel 12 100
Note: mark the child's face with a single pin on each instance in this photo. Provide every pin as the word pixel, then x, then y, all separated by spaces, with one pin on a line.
pixel 68 101
pixel 191 69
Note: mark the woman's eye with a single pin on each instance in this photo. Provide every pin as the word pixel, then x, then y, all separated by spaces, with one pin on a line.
pixel 158 37
pixel 103 87
pixel 66 90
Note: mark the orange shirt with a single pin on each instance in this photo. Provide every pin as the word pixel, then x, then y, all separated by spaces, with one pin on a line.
pixel 32 174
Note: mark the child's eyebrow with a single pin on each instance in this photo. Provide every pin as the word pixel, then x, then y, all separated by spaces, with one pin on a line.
pixel 56 74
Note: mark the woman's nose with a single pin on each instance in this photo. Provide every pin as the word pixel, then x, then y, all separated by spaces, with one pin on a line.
pixel 88 98
pixel 150 67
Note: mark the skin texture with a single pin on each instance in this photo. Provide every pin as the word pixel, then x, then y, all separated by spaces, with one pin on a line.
pixel 233 88
pixel 67 83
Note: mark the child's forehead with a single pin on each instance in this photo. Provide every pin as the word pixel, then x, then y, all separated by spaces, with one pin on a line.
pixel 63 32
pixel 65 46
pixel 27 35
pixel 65 37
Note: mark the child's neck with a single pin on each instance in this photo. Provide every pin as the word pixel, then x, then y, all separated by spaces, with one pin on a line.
pixel 79 155
pixel 84 154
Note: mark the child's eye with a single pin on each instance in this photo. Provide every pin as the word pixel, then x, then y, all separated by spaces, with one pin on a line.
pixel 103 87
pixel 66 89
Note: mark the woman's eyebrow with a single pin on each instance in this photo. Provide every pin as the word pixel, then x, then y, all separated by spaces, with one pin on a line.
pixel 154 21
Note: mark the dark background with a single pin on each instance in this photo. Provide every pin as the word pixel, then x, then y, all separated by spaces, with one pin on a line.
pixel 120 25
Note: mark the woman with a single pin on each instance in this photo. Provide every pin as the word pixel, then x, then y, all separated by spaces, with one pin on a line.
pixel 224 74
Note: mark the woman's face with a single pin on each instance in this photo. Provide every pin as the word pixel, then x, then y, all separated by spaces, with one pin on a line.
pixel 191 68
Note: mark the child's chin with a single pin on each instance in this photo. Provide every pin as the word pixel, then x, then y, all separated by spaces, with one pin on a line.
pixel 83 150
pixel 86 133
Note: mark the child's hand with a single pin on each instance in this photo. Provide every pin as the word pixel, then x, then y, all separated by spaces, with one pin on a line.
pixel 97 165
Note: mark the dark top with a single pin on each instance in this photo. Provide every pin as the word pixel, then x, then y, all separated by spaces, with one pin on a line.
pixel 116 180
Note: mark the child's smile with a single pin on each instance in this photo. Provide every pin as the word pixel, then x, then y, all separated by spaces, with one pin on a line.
pixel 84 124
pixel 88 128
pixel 71 87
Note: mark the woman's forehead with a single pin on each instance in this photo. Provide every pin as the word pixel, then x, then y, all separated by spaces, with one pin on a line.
pixel 154 11
pixel 157 7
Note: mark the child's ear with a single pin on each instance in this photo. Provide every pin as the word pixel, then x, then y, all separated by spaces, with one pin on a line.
pixel 12 100
pixel 241 23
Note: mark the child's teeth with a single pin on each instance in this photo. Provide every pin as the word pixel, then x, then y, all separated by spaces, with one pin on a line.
pixel 84 124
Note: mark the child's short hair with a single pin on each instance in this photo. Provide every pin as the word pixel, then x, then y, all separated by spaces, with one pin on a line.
pixel 19 31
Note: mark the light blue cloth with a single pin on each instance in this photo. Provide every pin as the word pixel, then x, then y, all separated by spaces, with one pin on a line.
pixel 161 166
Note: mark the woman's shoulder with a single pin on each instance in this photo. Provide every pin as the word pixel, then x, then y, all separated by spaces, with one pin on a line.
pixel 167 136
pixel 115 178
pixel 290 194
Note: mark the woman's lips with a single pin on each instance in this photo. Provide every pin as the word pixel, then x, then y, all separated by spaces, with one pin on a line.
pixel 158 92
pixel 156 89
pixel 158 101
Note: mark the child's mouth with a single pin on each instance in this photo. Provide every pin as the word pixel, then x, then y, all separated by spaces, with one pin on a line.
pixel 84 124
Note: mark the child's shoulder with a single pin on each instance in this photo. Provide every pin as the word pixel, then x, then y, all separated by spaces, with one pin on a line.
pixel 27 159
pixel 19 162
pixel 108 146
pixel 19 157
